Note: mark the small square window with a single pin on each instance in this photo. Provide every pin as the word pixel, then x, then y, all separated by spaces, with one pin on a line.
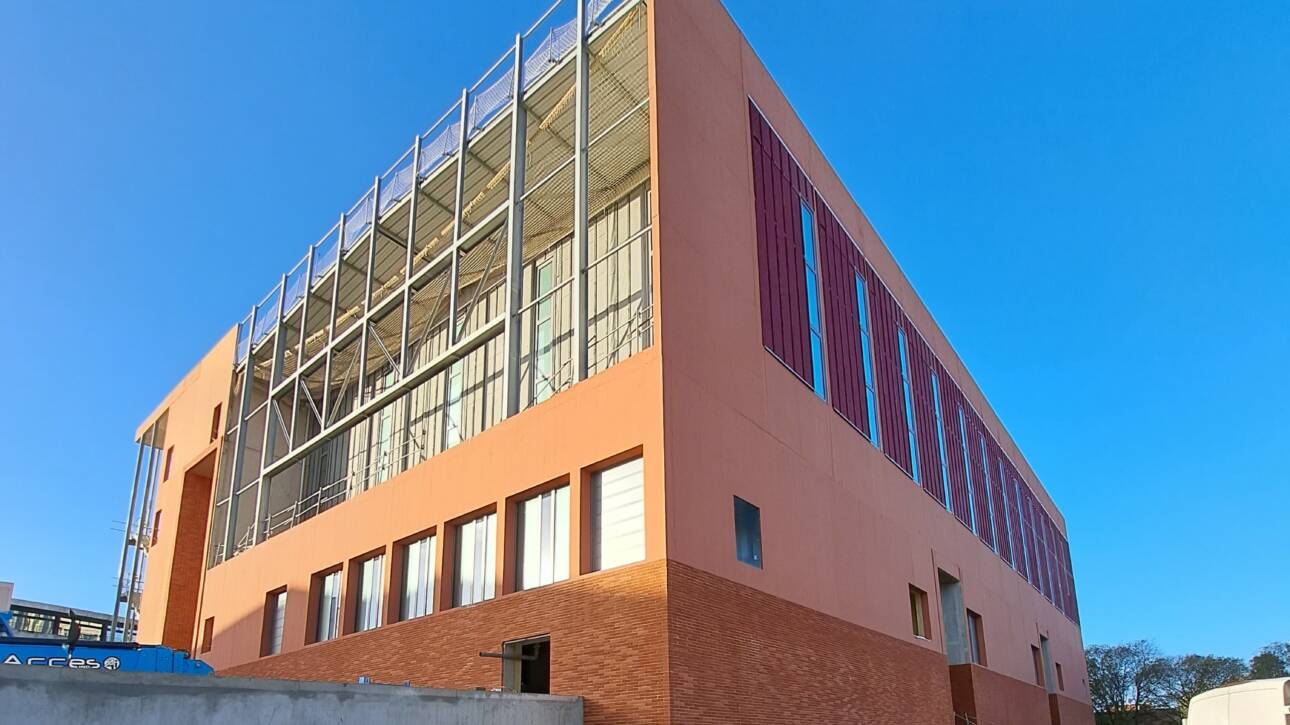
pixel 918 613
pixel 747 533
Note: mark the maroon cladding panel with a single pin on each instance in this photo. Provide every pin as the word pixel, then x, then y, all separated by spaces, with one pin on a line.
pixel 951 403
pixel 921 361
pixel 980 493
pixel 777 182
pixel 1014 519
pixel 841 262
pixel 998 475
pixel 887 319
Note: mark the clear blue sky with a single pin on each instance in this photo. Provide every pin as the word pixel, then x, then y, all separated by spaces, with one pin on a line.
pixel 1092 197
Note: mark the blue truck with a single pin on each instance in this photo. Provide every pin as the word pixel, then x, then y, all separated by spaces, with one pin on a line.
pixel 70 652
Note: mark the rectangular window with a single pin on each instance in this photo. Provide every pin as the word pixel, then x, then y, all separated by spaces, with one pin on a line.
pixel 1039 665
pixel 1046 660
pixel 418 578
pixel 367 600
pixel 1007 520
pixel 275 612
pixel 918 613
pixel 940 443
pixel 813 301
pixel 543 337
pixel 989 493
pixel 909 404
pixel 1061 679
pixel 208 634
pixel 747 533
pixel 452 406
pixel 618 515
pixel 476 570
pixel 542 539
pixel 170 457
pixel 215 423
pixel 976 637
pixel 967 468
pixel 866 357
pixel 156 527
pixel 328 603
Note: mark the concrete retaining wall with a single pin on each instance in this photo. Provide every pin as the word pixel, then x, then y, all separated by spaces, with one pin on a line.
pixel 40 695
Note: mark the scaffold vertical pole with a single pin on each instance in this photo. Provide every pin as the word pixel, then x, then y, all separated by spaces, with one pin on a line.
pixel 515 234
pixel 580 198
pixel 125 543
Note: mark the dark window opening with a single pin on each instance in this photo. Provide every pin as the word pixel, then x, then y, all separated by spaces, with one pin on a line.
pixel 208 633
pixel 747 533
pixel 1039 665
pixel 170 456
pixel 526 666
pixel 215 424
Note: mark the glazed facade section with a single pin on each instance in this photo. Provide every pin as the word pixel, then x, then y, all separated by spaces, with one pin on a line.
pixel 925 424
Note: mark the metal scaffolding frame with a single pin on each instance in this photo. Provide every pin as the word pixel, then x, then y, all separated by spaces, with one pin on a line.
pixel 336 316
pixel 138 534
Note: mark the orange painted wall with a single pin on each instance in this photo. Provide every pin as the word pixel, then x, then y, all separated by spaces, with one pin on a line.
pixel 602 417
pixel 844 530
pixel 188 408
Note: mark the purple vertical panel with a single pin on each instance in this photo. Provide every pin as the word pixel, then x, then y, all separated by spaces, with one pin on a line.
pixel 1002 529
pixel 980 493
pixel 1014 520
pixel 951 400
pixel 842 335
pixel 781 267
pixel 1032 547
pixel 886 358
pixel 929 459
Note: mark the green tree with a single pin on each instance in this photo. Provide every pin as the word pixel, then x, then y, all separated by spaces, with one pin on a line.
pixel 1271 661
pixel 1191 675
pixel 1127 681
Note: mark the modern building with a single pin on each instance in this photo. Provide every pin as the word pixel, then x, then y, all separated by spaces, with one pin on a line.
pixel 627 401
pixel 54 621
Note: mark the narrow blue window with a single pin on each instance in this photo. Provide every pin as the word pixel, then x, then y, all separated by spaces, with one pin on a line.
pixel 940 443
pixel 813 301
pixel 989 493
pixel 967 468
pixel 866 355
pixel 909 404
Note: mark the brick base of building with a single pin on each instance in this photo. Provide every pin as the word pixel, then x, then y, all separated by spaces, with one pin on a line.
pixel 1066 711
pixel 662 642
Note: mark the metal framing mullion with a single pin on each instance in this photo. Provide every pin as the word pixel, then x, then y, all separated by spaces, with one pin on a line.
pixel 367 293
pixel 136 563
pixel 403 366
pixel 580 198
pixel 458 201
pixel 125 544
pixel 275 367
pixel 331 325
pixel 300 347
pixel 515 238
pixel 239 445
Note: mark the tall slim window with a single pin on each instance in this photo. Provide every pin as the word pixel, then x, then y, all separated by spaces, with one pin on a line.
pixel 909 404
pixel 543 325
pixel 367 600
pixel 976 637
pixel 747 533
pixel 813 300
pixel 476 573
pixel 918 612
pixel 452 405
pixel 866 357
pixel 328 607
pixel 967 467
pixel 275 612
pixel 418 578
pixel 940 443
pixel 618 515
pixel 542 539
pixel 989 493
pixel 383 448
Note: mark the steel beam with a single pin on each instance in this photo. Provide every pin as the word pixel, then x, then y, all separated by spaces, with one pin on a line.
pixel 580 198
pixel 239 444
pixel 136 562
pixel 367 293
pixel 125 544
pixel 515 236
pixel 458 201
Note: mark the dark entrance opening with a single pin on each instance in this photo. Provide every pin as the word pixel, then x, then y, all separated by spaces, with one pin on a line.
pixel 527 666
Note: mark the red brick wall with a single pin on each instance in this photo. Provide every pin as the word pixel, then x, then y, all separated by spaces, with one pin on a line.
pixel 742 656
pixel 1066 711
pixel 995 699
pixel 608 643
pixel 188 526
